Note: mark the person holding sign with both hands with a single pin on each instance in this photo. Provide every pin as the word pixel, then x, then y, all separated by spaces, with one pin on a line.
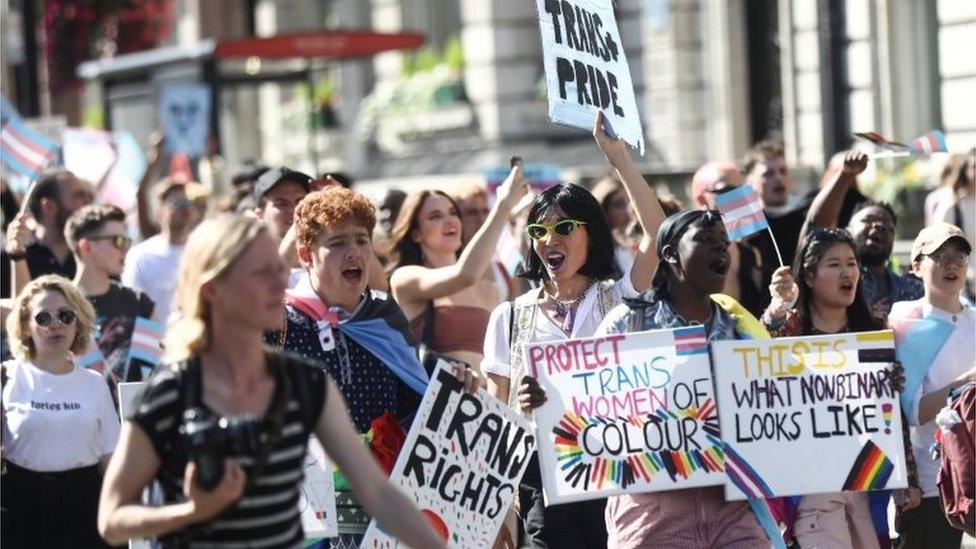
pixel 572 256
pixel 829 299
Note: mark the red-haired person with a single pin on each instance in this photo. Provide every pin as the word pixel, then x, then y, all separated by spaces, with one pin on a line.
pixel 358 335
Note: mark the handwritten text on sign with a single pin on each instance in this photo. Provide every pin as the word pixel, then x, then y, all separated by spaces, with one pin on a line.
pixel 626 413
pixel 794 400
pixel 461 463
pixel 586 67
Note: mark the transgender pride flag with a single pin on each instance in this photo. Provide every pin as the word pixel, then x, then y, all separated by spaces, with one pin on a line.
pixel 932 142
pixel 21 149
pixel 742 212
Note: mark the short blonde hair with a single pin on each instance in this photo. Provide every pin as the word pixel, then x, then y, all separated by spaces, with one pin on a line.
pixel 21 344
pixel 211 249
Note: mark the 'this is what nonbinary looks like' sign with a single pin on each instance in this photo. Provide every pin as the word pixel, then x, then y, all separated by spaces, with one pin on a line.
pixel 461 463
pixel 626 413
pixel 807 415
pixel 586 67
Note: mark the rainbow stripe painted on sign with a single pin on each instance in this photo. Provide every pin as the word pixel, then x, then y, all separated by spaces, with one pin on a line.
pixel 871 470
pixel 742 212
pixel 690 340
pixel 627 470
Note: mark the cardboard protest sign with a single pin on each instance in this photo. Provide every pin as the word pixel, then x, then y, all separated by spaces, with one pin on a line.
pixel 184 114
pixel 586 67
pixel 626 413
pixel 317 499
pixel 539 176
pixel 787 403
pixel 461 463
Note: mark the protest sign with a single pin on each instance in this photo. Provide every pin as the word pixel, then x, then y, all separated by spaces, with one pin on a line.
pixel 586 67
pixel 317 500
pixel 461 463
pixel 539 176
pixel 787 403
pixel 184 114
pixel 626 413
pixel 89 154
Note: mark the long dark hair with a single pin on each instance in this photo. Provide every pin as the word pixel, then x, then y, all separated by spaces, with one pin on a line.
pixel 811 252
pixel 403 250
pixel 577 203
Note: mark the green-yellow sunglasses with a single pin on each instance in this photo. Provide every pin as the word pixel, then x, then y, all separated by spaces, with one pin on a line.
pixel 561 228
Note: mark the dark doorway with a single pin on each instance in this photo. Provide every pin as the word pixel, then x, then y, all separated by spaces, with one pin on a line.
pixel 765 87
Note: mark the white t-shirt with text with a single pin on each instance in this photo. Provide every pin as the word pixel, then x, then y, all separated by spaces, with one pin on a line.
pixel 56 422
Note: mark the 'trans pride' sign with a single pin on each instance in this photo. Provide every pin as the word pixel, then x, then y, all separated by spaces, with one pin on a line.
pixel 626 413
pixel 586 67
pixel 788 403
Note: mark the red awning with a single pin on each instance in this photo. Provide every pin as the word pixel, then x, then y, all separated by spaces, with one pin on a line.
pixel 333 44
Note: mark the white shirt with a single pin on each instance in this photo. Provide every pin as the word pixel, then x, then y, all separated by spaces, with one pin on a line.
pixel 957 356
pixel 152 267
pixel 57 422
pixel 497 349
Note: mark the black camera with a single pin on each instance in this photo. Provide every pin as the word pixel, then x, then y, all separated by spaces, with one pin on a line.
pixel 209 440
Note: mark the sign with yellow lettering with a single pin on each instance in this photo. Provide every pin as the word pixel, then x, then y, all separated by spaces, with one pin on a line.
pixel 807 415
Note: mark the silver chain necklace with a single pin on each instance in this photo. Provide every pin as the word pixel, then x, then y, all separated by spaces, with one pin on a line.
pixel 566 310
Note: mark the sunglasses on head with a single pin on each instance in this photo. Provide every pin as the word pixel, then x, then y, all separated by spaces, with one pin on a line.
pixel 46 318
pixel 119 241
pixel 562 228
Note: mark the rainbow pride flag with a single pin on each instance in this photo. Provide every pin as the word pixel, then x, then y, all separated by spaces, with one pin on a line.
pixel 870 471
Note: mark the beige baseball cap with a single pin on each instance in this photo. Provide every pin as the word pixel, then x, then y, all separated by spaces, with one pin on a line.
pixel 930 238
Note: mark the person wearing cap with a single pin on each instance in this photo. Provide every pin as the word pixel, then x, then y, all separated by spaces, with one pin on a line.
pixel 276 194
pixel 151 266
pixel 745 284
pixel 936 363
pixel 693 262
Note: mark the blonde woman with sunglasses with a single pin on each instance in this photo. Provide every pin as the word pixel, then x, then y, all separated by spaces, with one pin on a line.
pixel 59 425
pixel 572 257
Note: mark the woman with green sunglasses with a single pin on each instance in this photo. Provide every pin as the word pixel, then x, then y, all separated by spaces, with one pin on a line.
pixel 572 257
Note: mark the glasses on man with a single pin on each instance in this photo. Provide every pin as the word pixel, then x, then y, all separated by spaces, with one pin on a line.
pixel 46 319
pixel 562 228
pixel 945 259
pixel 119 241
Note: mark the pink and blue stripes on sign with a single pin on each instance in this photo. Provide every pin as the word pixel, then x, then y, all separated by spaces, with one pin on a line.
pixel 690 341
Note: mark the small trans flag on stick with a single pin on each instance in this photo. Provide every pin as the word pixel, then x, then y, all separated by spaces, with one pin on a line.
pixel 145 350
pixel 743 214
pixel 928 144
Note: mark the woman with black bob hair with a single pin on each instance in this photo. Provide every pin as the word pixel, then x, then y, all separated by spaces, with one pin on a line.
pixel 575 202
pixel 571 255
pixel 829 299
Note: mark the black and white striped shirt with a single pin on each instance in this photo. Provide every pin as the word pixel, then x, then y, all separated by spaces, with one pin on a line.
pixel 267 515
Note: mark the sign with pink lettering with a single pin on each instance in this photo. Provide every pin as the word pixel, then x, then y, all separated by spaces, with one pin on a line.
pixel 626 413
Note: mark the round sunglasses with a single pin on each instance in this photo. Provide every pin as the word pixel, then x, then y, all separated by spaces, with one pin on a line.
pixel 46 318
pixel 119 241
pixel 561 228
